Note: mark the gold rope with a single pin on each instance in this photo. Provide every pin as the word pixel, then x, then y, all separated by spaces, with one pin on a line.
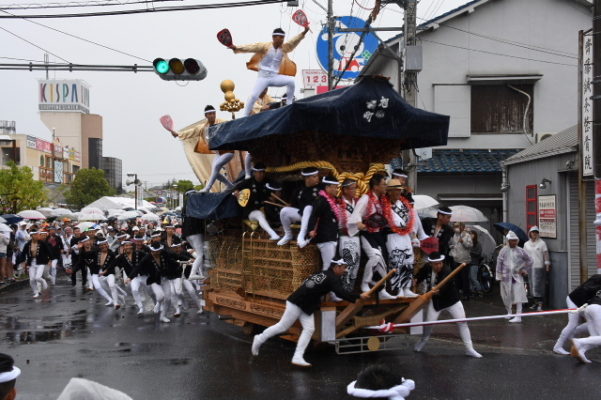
pixel 361 178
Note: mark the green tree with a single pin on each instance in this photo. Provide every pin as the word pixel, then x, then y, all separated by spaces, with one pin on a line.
pixel 183 185
pixel 19 191
pixel 89 185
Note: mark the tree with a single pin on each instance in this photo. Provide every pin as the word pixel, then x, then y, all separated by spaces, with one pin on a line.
pixel 89 185
pixel 183 185
pixel 19 191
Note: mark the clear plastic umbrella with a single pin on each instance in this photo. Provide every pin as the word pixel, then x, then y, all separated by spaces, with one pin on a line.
pixel 92 210
pixel 422 201
pixel 467 214
pixel 85 225
pixel 46 211
pixel 128 215
pixel 62 212
pixel 91 217
pixel 485 239
pixel 5 228
pixel 150 217
pixel 31 214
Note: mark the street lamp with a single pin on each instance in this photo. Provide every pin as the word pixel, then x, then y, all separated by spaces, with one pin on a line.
pixel 174 187
pixel 135 182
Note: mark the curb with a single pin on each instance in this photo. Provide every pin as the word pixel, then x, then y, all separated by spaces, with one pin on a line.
pixel 14 285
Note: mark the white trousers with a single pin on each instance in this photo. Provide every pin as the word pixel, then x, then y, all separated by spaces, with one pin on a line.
pixel 96 281
pixel 135 290
pixel 288 215
pixel 265 81
pixel 53 265
pixel 161 297
pixel 291 314
pixel 191 290
pixel 248 162
pixel 592 313
pixel 568 332
pixel 375 262
pixel 219 162
pixel 177 294
pixel 328 251
pixel 456 311
pixel 114 288
pixel 167 299
pixel 197 243
pixel 36 281
pixel 259 216
pixel 401 258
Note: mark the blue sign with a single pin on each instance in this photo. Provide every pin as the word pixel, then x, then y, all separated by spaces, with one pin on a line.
pixel 344 45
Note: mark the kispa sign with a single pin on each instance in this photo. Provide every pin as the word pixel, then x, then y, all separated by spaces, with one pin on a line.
pixel 64 96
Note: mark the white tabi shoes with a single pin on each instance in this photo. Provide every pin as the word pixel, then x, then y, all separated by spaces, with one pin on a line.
pixel 578 353
pixel 299 361
pixel 284 240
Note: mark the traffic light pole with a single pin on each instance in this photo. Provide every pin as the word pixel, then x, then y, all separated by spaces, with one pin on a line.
pixel 76 67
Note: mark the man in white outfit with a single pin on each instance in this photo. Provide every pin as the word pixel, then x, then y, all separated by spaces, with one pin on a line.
pixel 272 62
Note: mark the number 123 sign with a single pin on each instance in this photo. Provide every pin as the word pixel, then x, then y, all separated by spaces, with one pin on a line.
pixel 313 78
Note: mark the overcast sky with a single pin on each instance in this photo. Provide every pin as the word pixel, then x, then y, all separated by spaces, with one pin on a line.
pixel 131 104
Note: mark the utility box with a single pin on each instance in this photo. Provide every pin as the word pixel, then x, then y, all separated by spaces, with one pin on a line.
pixel 413 58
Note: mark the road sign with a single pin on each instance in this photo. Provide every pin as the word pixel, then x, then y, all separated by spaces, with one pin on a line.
pixel 344 45
pixel 313 78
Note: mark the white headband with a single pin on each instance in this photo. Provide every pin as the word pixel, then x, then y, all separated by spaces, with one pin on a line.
pixel 400 175
pixel 444 212
pixel 398 392
pixel 156 249
pixel 278 34
pixel 210 110
pixel 176 244
pixel 339 261
pixel 158 234
pixel 329 182
pixel 101 242
pixel 275 189
pixel 310 173
pixel 257 169
pixel 441 258
pixel 10 375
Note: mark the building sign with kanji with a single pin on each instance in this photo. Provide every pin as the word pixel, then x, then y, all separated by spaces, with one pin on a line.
pixel 547 216
pixel 587 104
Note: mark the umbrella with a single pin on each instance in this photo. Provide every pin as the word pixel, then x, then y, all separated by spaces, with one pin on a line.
pixel 150 217
pixel 31 214
pixel 501 226
pixel 62 212
pixel 467 214
pixel 3 221
pixel 92 210
pixel 486 241
pixel 422 201
pixel 5 228
pixel 46 211
pixel 85 225
pixel 12 218
pixel 91 217
pixel 128 215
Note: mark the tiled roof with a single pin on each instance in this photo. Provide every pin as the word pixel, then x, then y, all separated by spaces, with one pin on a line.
pixel 461 161
pixel 565 141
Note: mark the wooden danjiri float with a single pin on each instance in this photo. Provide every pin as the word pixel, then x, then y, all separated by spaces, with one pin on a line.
pixel 349 132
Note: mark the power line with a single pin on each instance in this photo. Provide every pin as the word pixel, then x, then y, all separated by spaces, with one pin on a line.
pixel 78 4
pixel 147 10
pixel 33 44
pixel 26 59
pixel 498 54
pixel 81 38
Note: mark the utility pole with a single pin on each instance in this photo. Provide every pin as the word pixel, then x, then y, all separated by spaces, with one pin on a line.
pixel 330 23
pixel 597 124
pixel 409 79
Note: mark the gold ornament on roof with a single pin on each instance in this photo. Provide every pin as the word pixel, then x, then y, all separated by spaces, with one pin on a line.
pixel 231 104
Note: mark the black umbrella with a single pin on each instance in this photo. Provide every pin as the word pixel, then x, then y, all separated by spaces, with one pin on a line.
pixel 502 226
pixel 12 218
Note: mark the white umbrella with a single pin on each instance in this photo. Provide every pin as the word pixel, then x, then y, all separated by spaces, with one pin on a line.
pixel 467 214
pixel 46 211
pixel 31 214
pixel 422 201
pixel 2 220
pixel 92 210
pixel 85 225
pixel 486 241
pixel 113 212
pixel 62 212
pixel 91 217
pixel 5 228
pixel 150 217
pixel 128 215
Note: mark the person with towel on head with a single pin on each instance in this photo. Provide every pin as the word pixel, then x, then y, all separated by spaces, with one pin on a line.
pixel 323 223
pixel 380 382
pixel 444 300
pixel 8 377
pixel 301 208
pixel 513 263
pixel 252 210
pixel 271 61
pixel 541 265
pixel 37 257
pixel 302 304
pixel 349 246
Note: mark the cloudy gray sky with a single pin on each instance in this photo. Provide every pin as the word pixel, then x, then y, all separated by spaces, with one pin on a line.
pixel 131 104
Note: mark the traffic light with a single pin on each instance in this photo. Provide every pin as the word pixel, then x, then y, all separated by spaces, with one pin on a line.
pixel 177 69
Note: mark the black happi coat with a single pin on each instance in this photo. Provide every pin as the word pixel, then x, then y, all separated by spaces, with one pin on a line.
pixel 308 295
pixel 324 220
pixel 55 244
pixel 258 194
pixel 448 293
pixel 583 293
pixel 444 235
pixel 123 262
pixel 43 254
pixel 108 267
pixel 174 240
pixel 305 196
pixel 168 268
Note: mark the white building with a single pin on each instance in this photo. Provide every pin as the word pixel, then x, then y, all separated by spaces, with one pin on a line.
pixel 506 72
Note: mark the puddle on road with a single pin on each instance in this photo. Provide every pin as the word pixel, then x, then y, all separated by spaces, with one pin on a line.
pixel 20 332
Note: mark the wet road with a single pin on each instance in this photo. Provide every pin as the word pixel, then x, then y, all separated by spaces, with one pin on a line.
pixel 67 333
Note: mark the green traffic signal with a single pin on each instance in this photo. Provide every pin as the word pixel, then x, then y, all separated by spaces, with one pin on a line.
pixel 161 66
